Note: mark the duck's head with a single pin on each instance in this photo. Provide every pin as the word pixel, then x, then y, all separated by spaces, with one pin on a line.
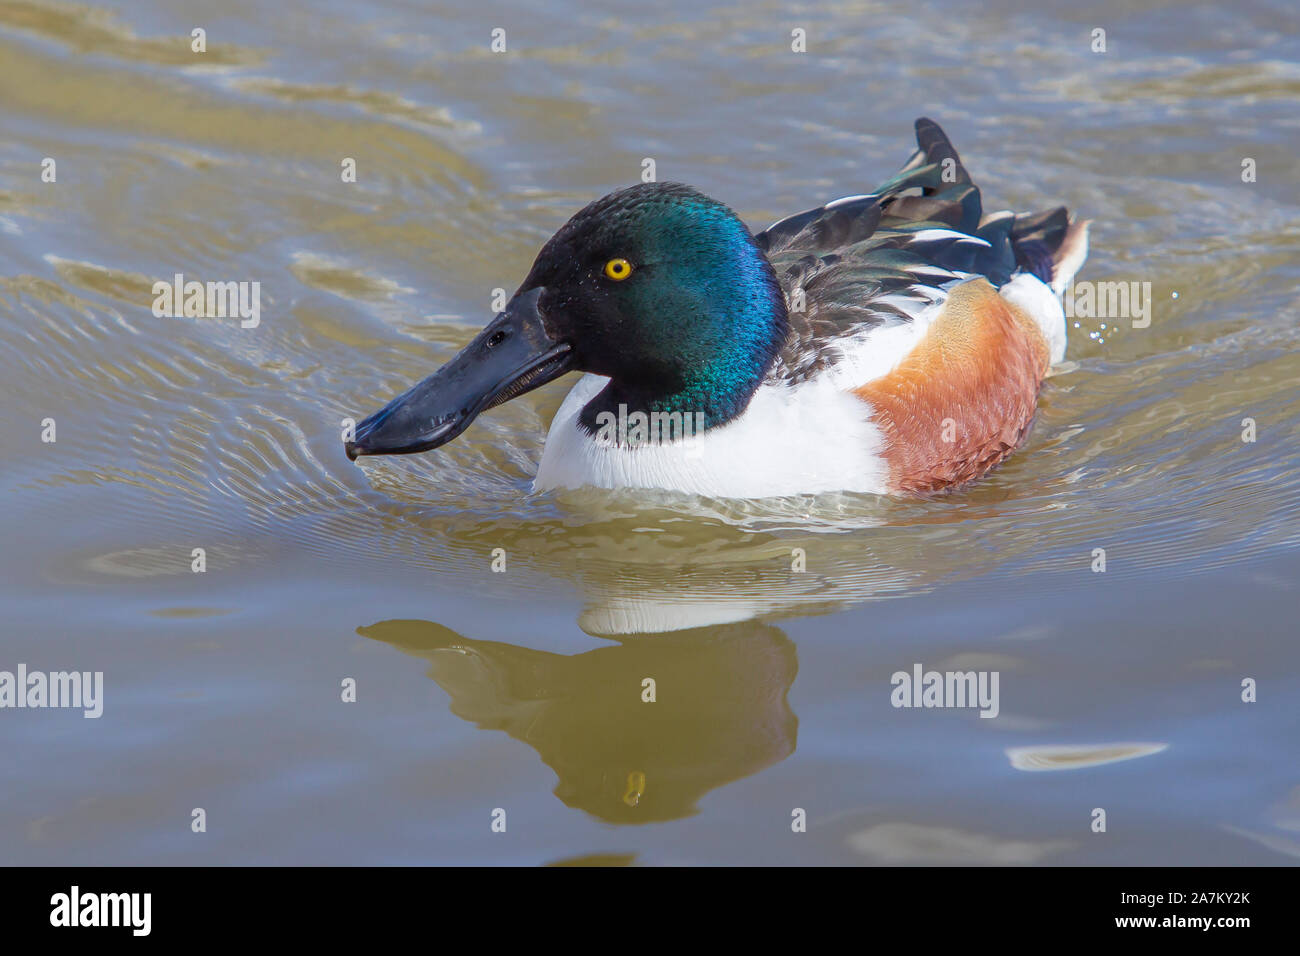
pixel 657 286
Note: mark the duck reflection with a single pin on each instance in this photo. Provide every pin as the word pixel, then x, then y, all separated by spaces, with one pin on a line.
pixel 719 711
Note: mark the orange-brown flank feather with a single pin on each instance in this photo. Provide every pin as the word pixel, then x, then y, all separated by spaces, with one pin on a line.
pixel 973 380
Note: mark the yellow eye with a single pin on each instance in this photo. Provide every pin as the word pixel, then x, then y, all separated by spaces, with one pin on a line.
pixel 618 269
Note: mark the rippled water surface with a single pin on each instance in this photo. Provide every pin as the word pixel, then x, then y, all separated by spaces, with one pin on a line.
pixel 521 690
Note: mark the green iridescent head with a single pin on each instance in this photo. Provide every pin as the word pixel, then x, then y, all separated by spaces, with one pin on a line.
pixel 656 286
pixel 662 289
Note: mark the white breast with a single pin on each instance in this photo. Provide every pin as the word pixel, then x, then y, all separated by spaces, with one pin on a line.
pixel 791 440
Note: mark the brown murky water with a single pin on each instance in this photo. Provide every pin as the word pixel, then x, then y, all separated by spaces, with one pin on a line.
pixel 521 690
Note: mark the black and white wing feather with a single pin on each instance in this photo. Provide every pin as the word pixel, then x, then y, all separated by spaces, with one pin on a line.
pixel 864 262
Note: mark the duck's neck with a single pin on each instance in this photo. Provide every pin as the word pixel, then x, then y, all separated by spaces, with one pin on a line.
pixel 700 404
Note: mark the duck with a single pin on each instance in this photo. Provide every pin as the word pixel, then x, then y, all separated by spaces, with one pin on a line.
pixel 889 343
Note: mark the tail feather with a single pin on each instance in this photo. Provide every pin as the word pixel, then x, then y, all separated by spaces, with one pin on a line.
pixel 1069 255
pixel 935 159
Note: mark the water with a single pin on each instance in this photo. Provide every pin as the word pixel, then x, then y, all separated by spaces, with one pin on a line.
pixel 522 690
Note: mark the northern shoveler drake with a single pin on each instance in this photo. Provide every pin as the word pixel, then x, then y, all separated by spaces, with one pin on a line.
pixel 891 343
